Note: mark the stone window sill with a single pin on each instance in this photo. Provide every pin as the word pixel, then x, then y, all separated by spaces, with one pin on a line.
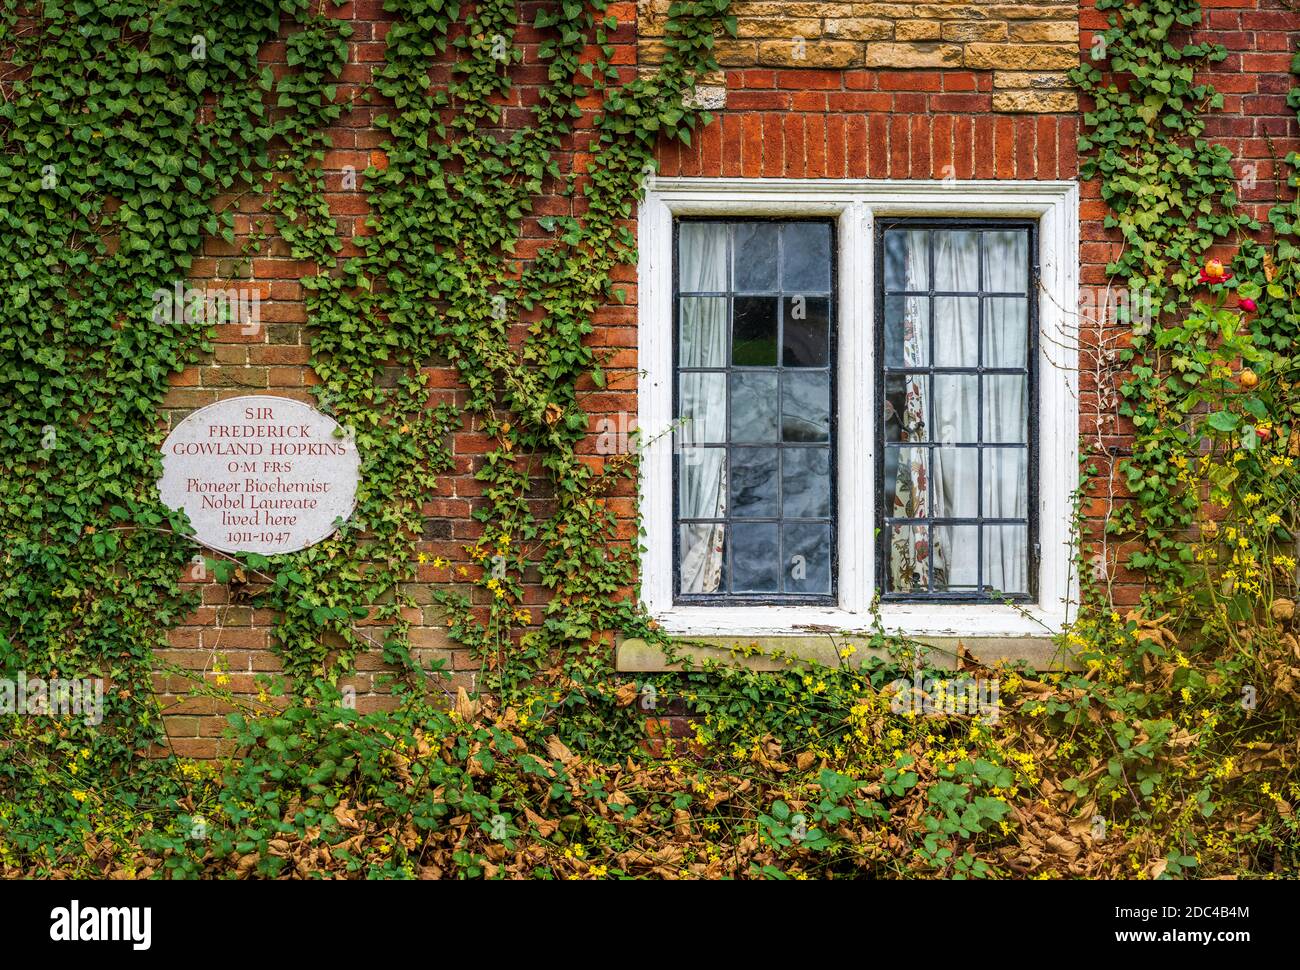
pixel 779 652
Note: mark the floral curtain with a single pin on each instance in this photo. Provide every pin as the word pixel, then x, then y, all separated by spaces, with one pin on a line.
pixel 945 481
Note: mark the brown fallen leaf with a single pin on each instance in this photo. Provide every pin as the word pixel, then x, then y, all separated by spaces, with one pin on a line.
pixel 1063 846
pixel 682 823
pixel 558 750
pixel 545 827
pixel 625 694
pixel 466 708
pixel 345 818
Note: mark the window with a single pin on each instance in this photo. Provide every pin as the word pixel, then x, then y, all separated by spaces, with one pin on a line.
pixel 754 350
pixel 955 322
pixel 841 383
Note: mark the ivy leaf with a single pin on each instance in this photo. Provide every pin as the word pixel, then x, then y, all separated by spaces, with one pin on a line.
pixel 1224 421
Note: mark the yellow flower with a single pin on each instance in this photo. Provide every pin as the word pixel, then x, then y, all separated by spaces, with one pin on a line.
pixel 79 796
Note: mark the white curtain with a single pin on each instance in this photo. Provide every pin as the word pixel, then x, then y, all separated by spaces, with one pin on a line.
pixel 909 545
pixel 945 483
pixel 1006 408
pixel 702 267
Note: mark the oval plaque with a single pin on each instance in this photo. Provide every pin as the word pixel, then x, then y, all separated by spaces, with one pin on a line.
pixel 260 474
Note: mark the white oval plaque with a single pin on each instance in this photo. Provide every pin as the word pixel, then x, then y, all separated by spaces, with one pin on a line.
pixel 260 474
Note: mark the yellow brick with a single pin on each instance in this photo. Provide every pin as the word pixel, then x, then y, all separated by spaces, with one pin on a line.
pixel 768 27
pixel 1021 56
pixel 1032 38
pixel 652 51
pixel 974 32
pixel 1053 32
pixel 820 53
pixel 860 28
pixel 930 12
pixel 917 30
pixel 913 55
pixel 1026 79
pixel 893 11
pixel 1037 102
pixel 771 11
pixel 1019 12
pixel 652 16
pixel 739 53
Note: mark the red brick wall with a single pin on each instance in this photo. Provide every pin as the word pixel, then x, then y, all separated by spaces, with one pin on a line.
pixel 1260 37
pixel 898 124
pixel 805 123
pixel 225 630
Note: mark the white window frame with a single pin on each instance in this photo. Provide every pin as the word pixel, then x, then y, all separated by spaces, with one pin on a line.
pixel 855 204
